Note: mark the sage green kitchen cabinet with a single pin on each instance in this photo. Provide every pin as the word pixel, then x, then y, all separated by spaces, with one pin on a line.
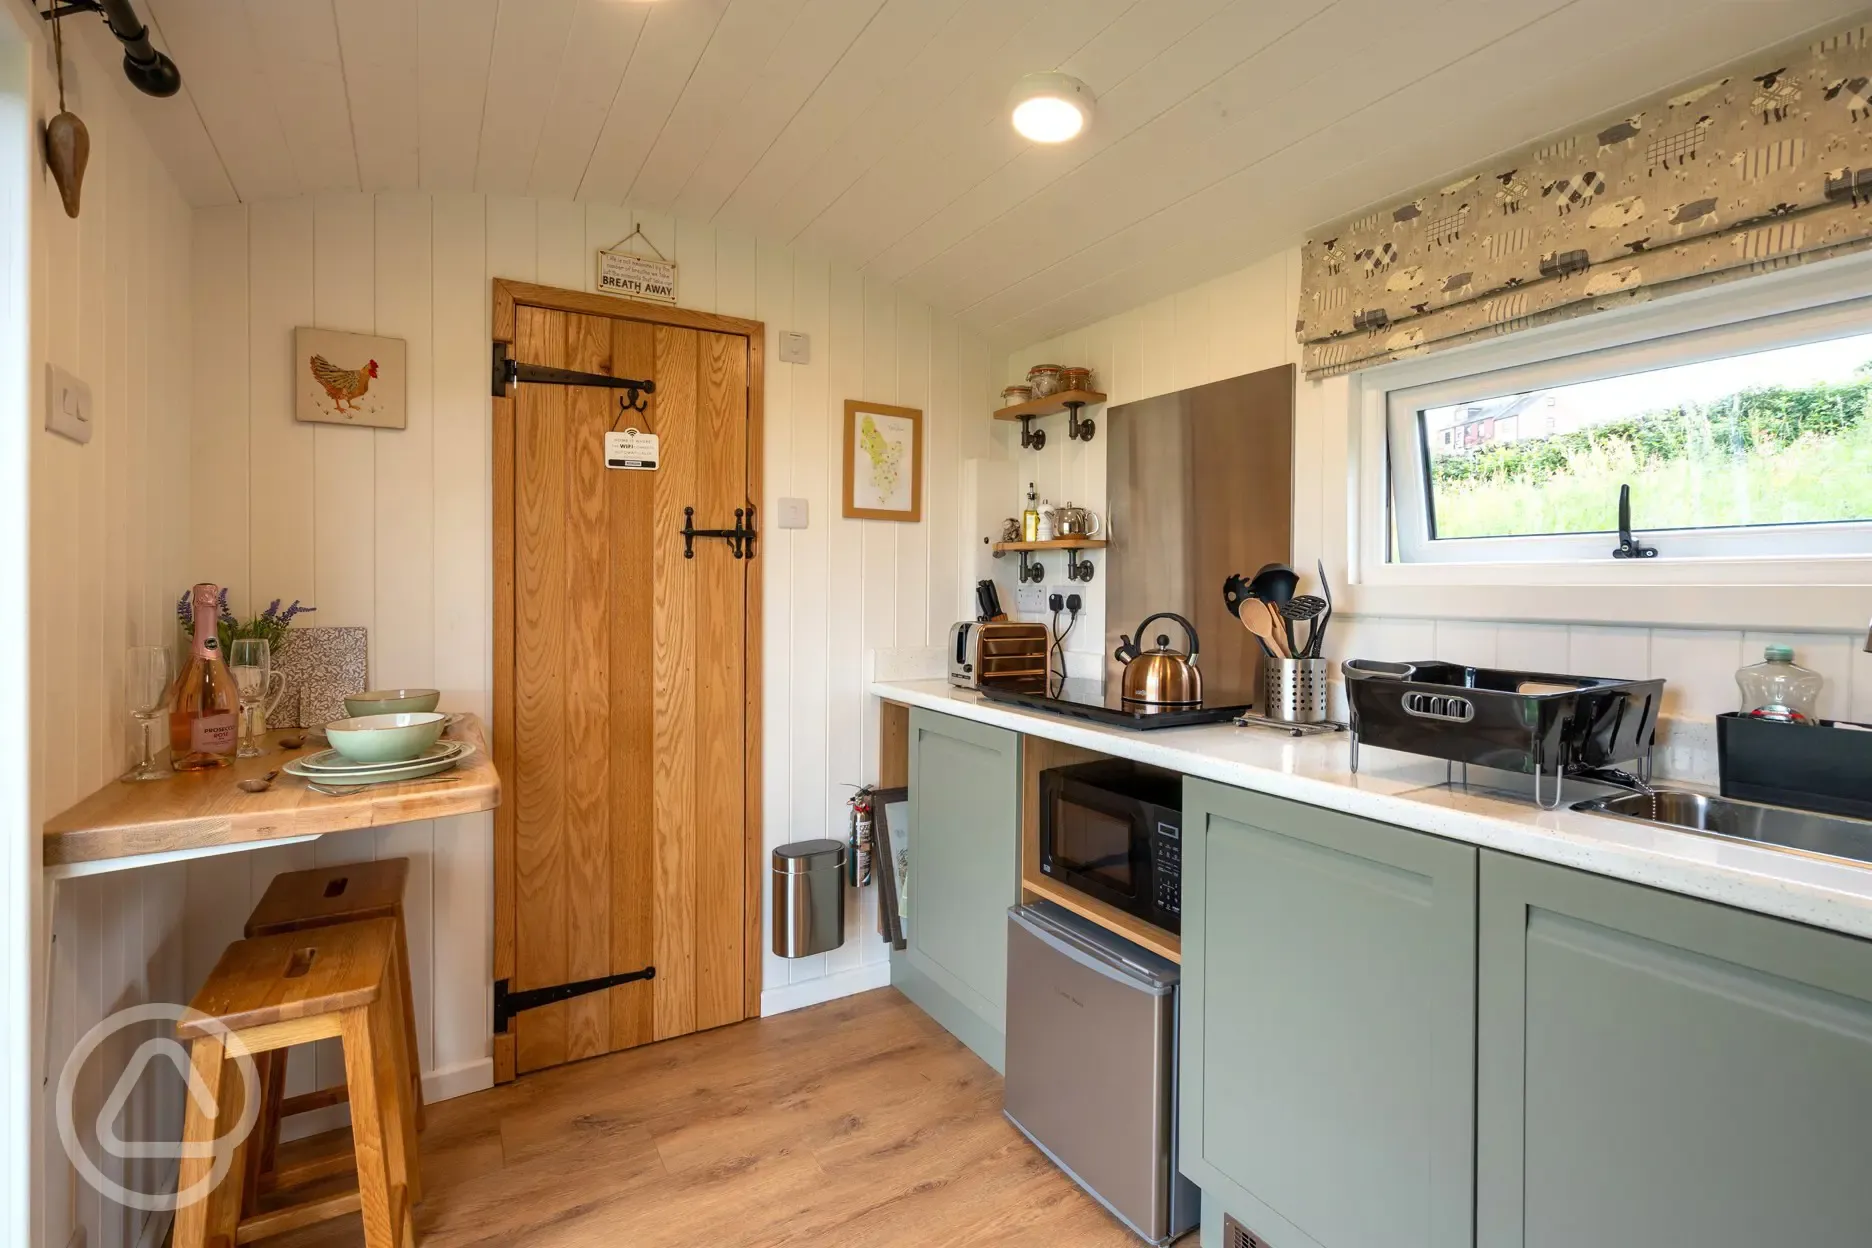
pixel 1328 1025
pixel 964 874
pixel 1658 1070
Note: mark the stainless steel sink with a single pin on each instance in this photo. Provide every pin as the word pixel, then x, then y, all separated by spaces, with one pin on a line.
pixel 1778 827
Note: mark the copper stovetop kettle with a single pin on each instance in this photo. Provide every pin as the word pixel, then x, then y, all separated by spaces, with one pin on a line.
pixel 1163 676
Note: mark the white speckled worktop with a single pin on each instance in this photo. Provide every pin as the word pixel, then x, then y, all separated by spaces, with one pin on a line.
pixel 1411 792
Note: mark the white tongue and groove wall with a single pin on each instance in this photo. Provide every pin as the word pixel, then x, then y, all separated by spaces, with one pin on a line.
pixel 391 530
pixel 1243 322
pixel 109 534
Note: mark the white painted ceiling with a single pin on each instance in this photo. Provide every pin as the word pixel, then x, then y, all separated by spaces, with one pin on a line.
pixel 875 131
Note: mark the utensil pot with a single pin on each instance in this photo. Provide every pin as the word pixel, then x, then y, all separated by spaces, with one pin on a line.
pixel 1294 691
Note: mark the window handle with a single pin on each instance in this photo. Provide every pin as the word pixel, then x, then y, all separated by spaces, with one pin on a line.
pixel 1629 547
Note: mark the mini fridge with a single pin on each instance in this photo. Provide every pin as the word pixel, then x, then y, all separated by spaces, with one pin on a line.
pixel 1091 1065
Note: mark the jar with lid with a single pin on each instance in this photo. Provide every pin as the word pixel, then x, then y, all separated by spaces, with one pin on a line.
pixel 1014 396
pixel 1045 380
pixel 1779 689
pixel 1075 379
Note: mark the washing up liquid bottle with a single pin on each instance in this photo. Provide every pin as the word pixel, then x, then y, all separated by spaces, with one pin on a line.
pixel 1780 689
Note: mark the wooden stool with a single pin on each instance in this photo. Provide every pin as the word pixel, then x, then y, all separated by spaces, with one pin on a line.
pixel 299 901
pixel 274 992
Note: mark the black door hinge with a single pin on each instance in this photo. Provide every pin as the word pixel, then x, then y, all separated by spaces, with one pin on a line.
pixel 508 1003
pixel 508 371
pixel 740 539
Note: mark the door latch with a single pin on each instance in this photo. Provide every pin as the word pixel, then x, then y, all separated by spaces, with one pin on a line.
pixel 740 539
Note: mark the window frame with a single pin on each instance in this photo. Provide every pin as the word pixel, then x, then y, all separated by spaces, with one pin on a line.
pixel 1343 429
pixel 1410 485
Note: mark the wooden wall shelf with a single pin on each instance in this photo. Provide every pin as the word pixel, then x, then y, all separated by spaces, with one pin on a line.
pixel 1058 543
pixel 1052 405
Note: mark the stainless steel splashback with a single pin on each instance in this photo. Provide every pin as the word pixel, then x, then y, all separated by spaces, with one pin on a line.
pixel 1200 486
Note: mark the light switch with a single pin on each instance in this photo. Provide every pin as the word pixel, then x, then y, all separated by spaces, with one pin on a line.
pixel 68 405
pixel 795 348
pixel 792 513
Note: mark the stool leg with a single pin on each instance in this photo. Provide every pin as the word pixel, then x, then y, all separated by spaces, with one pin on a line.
pixel 263 1145
pixel 402 1123
pixel 409 1019
pixel 212 1220
pixel 383 1204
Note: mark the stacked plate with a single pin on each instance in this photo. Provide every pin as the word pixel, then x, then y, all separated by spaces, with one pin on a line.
pixel 331 767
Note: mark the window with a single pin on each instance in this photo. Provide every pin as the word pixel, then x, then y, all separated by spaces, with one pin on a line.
pixel 1744 440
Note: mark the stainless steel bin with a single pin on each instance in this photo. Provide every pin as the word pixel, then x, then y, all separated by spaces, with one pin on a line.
pixel 808 898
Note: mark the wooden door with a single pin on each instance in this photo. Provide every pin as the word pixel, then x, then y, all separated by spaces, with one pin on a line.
pixel 1328 1023
pixel 626 760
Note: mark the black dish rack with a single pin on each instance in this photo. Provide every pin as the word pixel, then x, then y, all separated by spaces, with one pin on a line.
pixel 1535 723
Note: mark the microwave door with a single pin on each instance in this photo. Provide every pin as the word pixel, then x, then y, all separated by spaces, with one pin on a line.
pixel 1096 847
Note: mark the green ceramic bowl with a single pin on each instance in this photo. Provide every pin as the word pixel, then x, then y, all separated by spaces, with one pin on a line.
pixel 385 738
pixel 391 701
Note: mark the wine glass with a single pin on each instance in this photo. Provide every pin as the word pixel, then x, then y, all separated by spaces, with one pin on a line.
pixel 250 659
pixel 146 689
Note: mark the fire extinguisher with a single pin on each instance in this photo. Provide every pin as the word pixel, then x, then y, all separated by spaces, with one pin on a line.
pixel 858 853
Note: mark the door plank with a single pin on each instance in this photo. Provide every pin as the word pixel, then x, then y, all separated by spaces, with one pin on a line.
pixel 674 659
pixel 539 687
pixel 632 723
pixel 721 454
pixel 587 689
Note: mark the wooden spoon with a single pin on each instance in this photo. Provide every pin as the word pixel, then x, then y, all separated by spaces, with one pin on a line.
pixel 1261 619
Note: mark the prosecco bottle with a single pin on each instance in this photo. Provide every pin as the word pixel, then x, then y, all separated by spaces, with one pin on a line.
pixel 204 704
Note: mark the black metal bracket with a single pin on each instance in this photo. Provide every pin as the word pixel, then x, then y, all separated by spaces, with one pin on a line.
pixel 1076 429
pixel 508 1003
pixel 740 538
pixel 1629 547
pixel 1031 569
pixel 1078 569
pixel 508 372
pixel 1032 439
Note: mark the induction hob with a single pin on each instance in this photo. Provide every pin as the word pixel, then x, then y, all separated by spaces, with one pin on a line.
pixel 1088 699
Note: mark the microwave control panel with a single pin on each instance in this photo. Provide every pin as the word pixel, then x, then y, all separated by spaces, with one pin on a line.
pixel 1167 848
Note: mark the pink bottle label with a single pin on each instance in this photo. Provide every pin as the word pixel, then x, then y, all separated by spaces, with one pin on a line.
pixel 213 734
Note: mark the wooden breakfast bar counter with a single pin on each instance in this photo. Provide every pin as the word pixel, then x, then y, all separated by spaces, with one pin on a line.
pixel 127 825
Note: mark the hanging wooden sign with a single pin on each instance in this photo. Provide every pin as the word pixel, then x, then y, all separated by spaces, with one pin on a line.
pixel 626 273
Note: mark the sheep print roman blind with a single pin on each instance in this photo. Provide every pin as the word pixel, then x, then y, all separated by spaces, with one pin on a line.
pixel 1766 167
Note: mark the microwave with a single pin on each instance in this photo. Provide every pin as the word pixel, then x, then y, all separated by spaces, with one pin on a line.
pixel 1114 830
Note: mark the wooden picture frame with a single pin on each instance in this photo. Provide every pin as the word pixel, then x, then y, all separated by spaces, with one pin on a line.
pixel 863 503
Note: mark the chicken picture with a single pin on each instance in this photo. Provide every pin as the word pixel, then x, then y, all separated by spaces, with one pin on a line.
pixel 345 385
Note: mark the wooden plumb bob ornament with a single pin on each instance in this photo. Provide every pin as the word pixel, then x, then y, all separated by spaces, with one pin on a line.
pixel 68 143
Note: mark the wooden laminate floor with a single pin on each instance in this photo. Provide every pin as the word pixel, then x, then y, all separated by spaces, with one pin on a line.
pixel 859 1122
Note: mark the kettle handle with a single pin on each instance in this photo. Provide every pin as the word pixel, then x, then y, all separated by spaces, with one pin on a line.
pixel 1188 628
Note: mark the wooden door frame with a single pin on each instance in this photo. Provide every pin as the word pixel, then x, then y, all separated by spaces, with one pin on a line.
pixel 509 295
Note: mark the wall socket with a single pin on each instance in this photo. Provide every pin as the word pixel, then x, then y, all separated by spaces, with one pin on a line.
pixel 1030 599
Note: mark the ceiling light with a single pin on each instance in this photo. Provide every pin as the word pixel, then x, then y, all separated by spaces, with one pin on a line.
pixel 1051 108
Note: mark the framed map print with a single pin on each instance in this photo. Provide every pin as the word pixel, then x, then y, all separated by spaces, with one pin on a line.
pixel 883 461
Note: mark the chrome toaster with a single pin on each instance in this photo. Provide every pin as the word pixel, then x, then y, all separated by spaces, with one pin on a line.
pixel 998 653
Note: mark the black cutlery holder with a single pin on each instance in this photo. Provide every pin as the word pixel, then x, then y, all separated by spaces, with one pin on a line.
pixel 1825 767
